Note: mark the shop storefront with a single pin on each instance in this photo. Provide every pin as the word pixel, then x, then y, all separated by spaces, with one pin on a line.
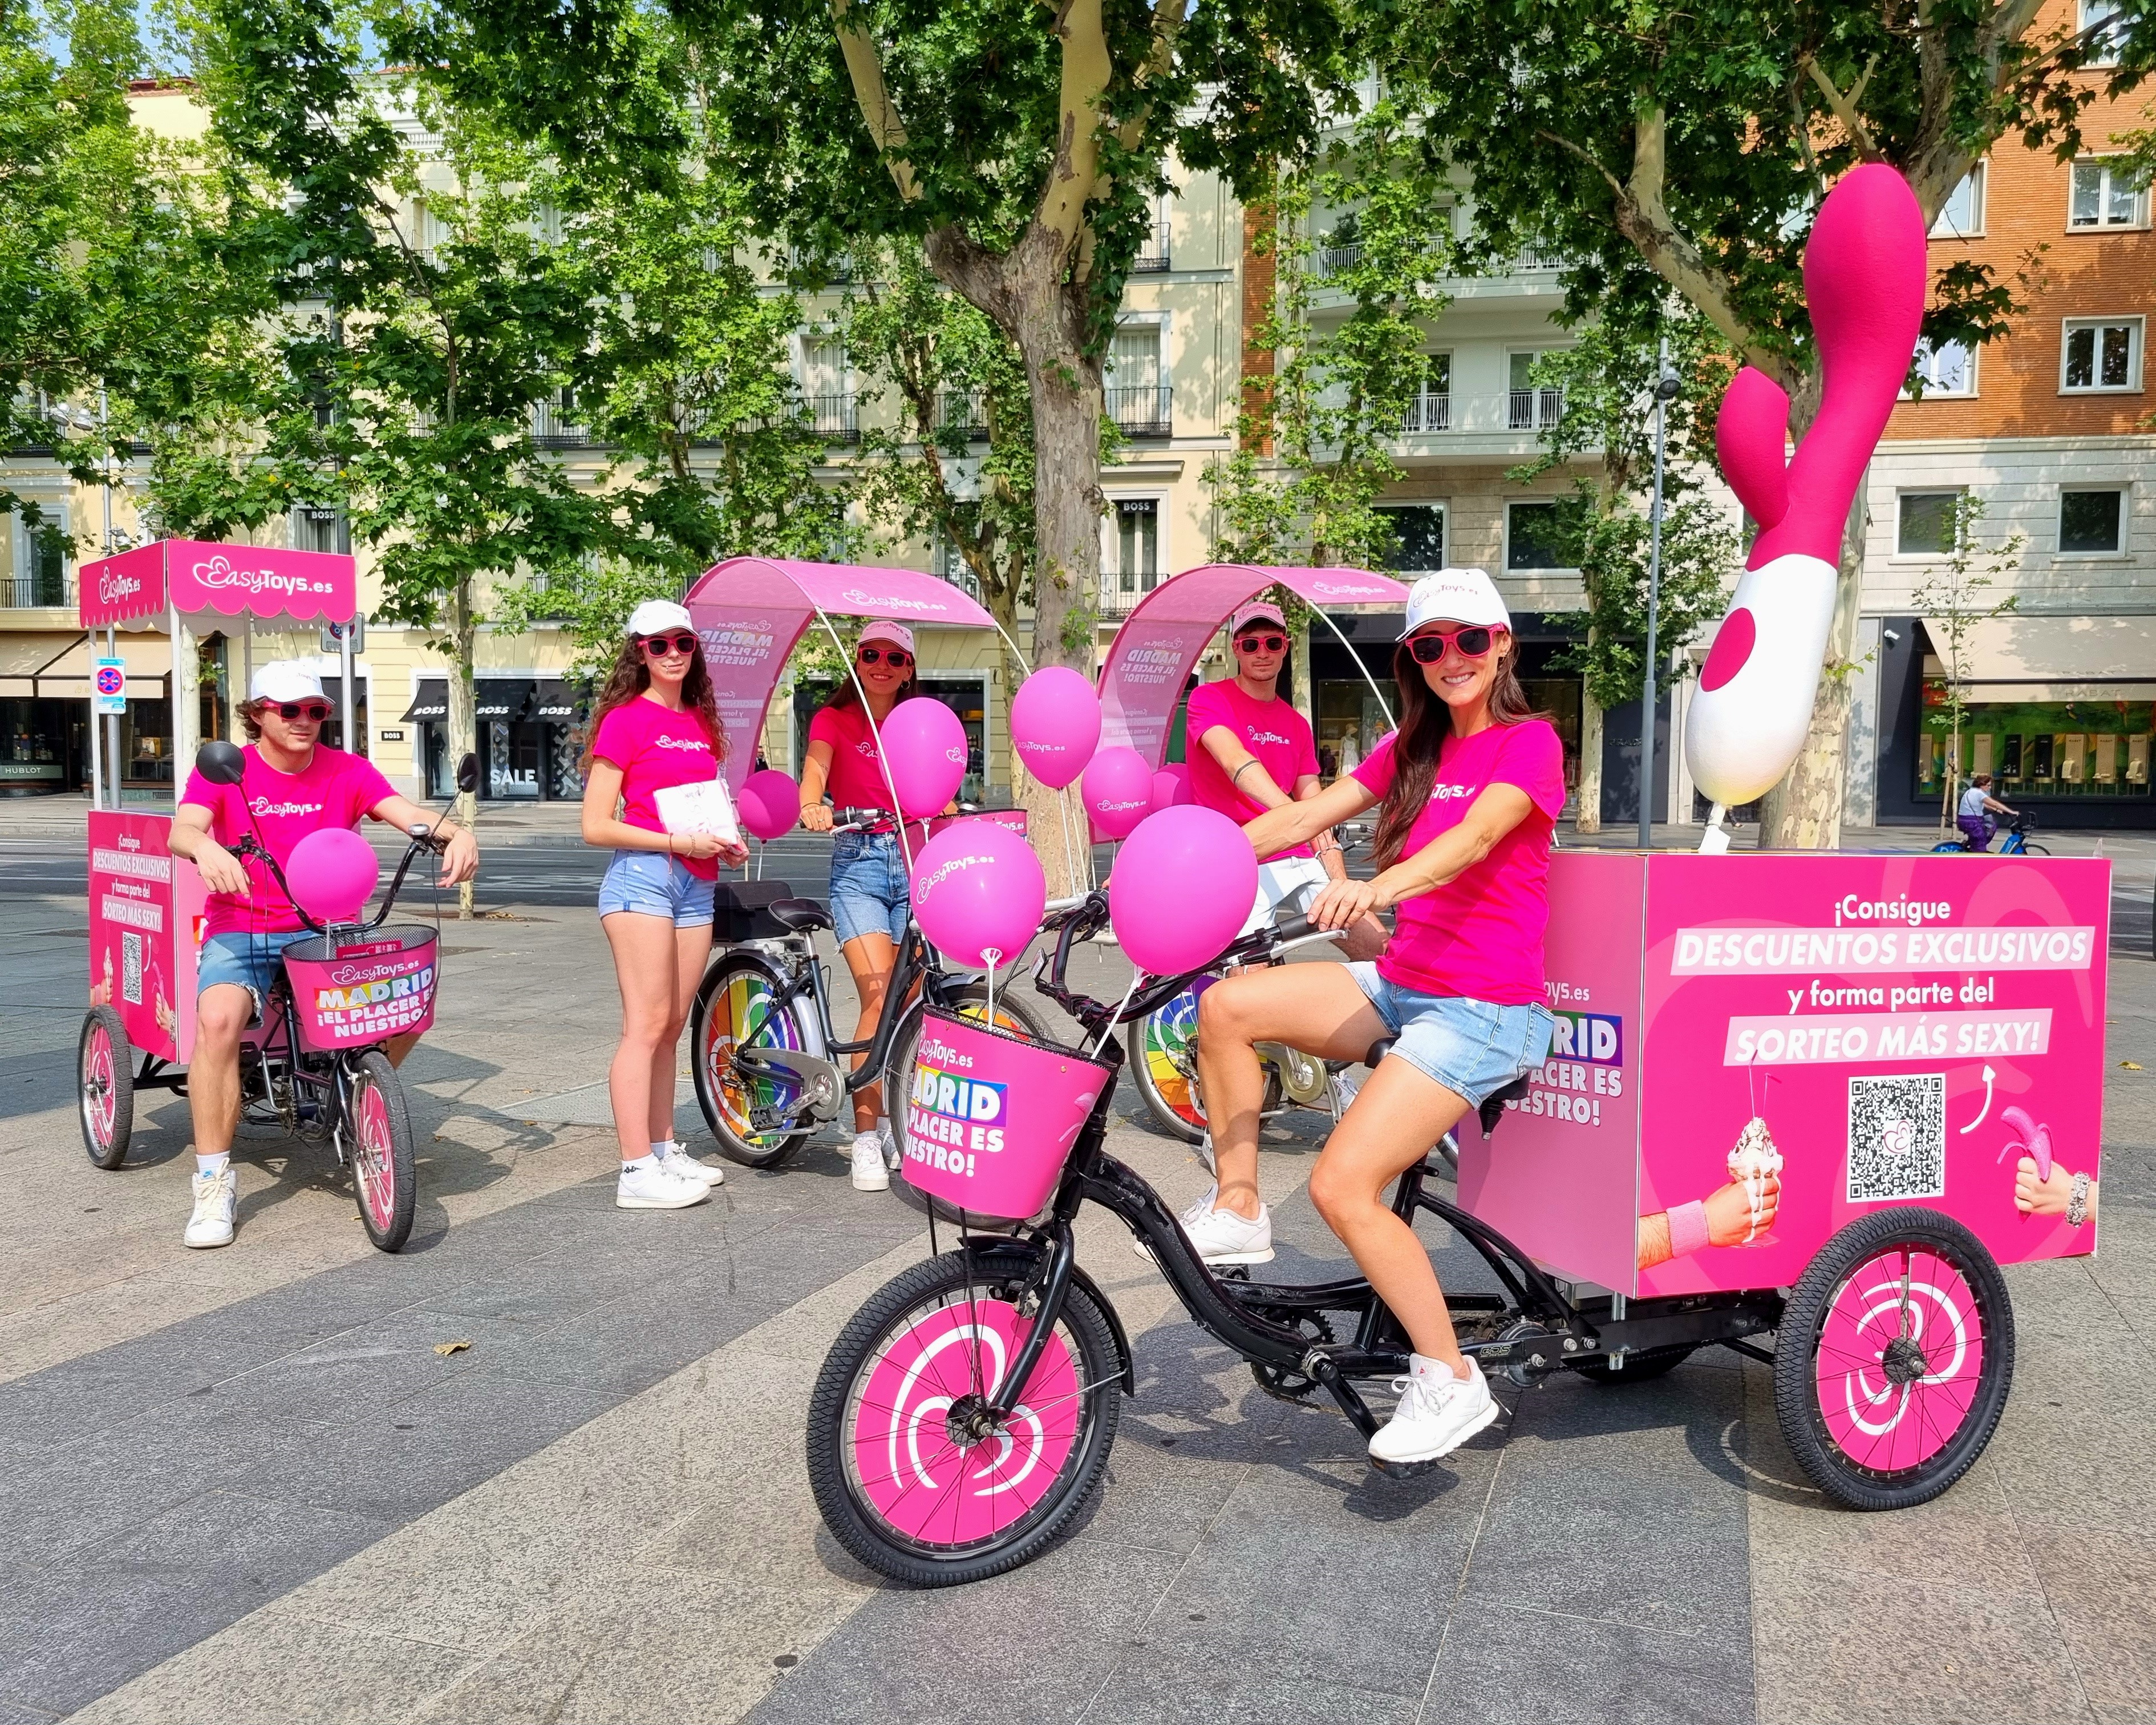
pixel 2060 711
pixel 44 715
pixel 531 738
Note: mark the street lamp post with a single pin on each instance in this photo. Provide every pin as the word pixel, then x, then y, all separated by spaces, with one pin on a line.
pixel 1667 384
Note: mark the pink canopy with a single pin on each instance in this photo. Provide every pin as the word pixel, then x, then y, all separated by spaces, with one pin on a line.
pixel 232 580
pixel 1158 645
pixel 751 611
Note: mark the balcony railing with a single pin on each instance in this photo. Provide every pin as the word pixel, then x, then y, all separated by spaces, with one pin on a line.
pixel 1153 252
pixel 965 410
pixel 1332 259
pixel 832 417
pixel 1533 409
pixel 1142 409
pixel 552 428
pixel 1428 412
pixel 47 589
pixel 1120 589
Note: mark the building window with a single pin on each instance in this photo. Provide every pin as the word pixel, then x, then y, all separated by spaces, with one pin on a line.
pixel 1155 250
pixel 1927 524
pixel 315 529
pixel 2098 23
pixel 2082 749
pixel 2107 197
pixel 1430 409
pixel 1135 566
pixel 1962 215
pixel 2092 522
pixel 2100 354
pixel 1529 406
pixel 1533 539
pixel 827 390
pixel 1138 394
pixel 1949 369
pixel 40 574
pixel 1420 528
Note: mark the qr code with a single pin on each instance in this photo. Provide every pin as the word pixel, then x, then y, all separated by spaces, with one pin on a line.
pixel 130 967
pixel 1897 1137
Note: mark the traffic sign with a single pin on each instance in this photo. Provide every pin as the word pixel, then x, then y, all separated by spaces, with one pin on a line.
pixel 333 634
pixel 108 686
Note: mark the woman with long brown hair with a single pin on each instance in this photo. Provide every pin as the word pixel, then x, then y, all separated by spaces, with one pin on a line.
pixel 656 727
pixel 1470 787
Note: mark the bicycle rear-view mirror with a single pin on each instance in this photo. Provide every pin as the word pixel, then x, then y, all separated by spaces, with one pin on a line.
pixel 468 774
pixel 220 763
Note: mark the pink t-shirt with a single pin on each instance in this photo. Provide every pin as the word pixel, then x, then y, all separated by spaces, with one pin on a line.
pixel 1272 729
pixel 856 779
pixel 655 747
pixel 334 790
pixel 1481 936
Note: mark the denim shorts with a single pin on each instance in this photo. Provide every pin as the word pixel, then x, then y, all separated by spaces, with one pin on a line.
pixel 649 884
pixel 249 960
pixel 1469 1046
pixel 869 891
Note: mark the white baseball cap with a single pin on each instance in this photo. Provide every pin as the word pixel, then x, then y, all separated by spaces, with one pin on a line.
pixel 1457 596
pixel 283 680
pixel 897 634
pixel 1257 611
pixel 655 617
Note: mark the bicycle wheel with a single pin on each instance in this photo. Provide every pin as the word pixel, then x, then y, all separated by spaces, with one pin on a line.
pixel 380 1129
pixel 1164 1060
pixel 736 1000
pixel 1894 1359
pixel 969 1001
pixel 909 1473
pixel 104 1073
pixel 2035 851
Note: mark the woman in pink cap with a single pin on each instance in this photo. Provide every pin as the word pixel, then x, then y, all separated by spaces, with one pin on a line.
pixel 870 898
pixel 1468 791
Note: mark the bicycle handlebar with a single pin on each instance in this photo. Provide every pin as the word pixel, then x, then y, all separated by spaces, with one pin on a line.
pixel 1090 916
pixel 418 838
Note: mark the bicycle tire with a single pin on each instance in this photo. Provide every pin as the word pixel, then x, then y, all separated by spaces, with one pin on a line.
pixel 886 1519
pixel 104 1087
pixel 727 1000
pixel 1836 1395
pixel 1158 1046
pixel 384 1183
pixel 2034 851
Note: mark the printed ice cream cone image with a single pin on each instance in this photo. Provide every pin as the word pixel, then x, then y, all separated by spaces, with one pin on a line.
pixel 1750 1162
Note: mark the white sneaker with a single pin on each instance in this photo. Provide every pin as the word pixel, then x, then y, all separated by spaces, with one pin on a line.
pixel 1345 1090
pixel 1220 1236
pixel 891 1159
pixel 217 1200
pixel 653 1186
pixel 677 1160
pixel 1438 1412
pixel 869 1174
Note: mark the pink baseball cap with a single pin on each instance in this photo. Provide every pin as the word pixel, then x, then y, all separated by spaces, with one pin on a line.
pixel 1258 611
pixel 897 634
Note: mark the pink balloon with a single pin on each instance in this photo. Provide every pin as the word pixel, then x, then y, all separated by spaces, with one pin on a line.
pixel 770 804
pixel 979 889
pixel 1182 888
pixel 924 746
pixel 1055 725
pixel 332 874
pixel 1117 791
pixel 1171 785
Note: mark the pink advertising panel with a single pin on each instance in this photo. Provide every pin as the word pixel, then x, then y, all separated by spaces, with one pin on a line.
pixel 1560 1176
pixel 146 929
pixel 750 611
pixel 364 991
pixel 1877 1030
pixel 1158 645
pixel 230 580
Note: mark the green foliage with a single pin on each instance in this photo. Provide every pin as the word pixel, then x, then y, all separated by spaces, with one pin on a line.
pixel 1953 603
pixel 1360 243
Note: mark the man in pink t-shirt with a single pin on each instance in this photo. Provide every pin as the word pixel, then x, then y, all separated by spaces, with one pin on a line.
pixel 292 786
pixel 1249 750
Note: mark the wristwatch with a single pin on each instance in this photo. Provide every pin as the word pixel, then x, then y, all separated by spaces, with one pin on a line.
pixel 2077 1203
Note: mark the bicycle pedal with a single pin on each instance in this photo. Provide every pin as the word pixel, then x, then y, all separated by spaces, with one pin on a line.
pixel 1404 1470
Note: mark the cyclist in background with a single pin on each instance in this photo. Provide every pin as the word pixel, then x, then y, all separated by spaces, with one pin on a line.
pixel 1255 752
pixel 1973 816
pixel 655 725
pixel 293 786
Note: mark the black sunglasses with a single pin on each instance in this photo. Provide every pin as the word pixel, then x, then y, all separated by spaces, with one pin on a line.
pixel 1261 643
pixel 659 646
pixel 897 658
pixel 318 711
pixel 1473 643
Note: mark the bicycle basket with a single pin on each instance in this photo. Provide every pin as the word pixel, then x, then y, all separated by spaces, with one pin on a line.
pixel 991 1117
pixel 352 993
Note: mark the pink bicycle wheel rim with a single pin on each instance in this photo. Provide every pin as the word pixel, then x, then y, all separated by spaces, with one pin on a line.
pixel 98 1085
pixel 913 1474
pixel 1878 1423
pixel 376 1160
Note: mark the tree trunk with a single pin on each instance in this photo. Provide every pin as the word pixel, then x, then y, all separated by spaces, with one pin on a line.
pixel 1803 812
pixel 1025 293
pixel 464 719
pixel 1587 817
pixel 1298 672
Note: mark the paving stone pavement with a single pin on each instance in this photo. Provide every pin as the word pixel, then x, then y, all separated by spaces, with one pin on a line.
pixel 242 1485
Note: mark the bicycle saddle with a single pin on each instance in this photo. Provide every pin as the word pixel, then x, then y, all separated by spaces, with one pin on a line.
pixel 798 916
pixel 1493 1105
pixel 1378 1049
